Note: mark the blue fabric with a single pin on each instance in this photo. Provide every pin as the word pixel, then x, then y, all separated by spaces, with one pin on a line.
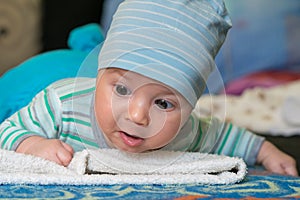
pixel 265 35
pixel 254 186
pixel 20 84
pixel 85 38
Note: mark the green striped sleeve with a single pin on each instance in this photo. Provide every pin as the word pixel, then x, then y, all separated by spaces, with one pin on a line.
pixel 238 142
pixel 37 118
pixel 77 93
pixel 214 136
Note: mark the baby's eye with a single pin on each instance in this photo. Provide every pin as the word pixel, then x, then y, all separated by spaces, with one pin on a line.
pixel 163 104
pixel 122 90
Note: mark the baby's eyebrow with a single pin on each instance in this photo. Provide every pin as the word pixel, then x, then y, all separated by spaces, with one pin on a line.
pixel 168 93
pixel 129 75
pixel 113 70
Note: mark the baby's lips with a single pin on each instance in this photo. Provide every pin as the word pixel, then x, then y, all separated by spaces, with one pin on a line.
pixel 131 140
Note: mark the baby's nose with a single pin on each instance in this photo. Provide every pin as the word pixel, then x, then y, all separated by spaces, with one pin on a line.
pixel 138 111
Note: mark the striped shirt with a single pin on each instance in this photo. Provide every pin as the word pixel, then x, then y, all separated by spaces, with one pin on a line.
pixel 64 110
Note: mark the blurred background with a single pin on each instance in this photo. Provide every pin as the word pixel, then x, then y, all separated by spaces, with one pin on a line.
pixel 29 27
pixel 265 34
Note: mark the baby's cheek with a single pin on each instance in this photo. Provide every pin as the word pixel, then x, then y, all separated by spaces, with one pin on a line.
pixel 101 116
pixel 170 130
pixel 104 117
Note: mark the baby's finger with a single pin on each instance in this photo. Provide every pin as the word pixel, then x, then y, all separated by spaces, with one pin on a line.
pixel 277 169
pixel 68 148
pixel 291 170
pixel 64 156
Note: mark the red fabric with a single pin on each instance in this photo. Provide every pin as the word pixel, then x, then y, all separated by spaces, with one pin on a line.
pixel 260 79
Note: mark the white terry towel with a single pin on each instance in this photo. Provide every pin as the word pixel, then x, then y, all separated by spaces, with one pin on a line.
pixel 110 166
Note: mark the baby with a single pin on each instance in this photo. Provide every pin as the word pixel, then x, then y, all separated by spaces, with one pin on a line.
pixel 153 68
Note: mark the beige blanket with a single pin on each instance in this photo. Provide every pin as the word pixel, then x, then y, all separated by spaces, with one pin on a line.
pixel 274 111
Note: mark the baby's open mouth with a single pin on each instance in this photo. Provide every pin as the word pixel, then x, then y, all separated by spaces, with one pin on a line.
pixel 131 140
pixel 131 135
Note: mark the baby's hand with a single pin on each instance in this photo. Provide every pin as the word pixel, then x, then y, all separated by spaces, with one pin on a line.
pixel 276 161
pixel 50 149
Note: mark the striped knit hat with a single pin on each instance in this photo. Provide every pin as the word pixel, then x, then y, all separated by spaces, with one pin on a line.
pixel 171 41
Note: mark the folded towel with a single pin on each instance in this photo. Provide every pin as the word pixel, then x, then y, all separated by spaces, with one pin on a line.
pixel 110 166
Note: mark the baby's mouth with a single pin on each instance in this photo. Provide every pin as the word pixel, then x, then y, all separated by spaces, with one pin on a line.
pixel 131 140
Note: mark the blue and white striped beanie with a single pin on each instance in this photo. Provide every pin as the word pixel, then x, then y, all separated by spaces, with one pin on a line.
pixel 171 41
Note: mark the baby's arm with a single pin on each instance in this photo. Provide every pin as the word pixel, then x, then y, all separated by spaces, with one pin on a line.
pixel 50 149
pixel 35 129
pixel 237 141
pixel 275 160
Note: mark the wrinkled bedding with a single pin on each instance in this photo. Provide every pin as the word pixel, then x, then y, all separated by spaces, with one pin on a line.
pixel 272 111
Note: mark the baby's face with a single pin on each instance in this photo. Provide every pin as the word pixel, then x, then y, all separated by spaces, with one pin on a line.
pixel 136 113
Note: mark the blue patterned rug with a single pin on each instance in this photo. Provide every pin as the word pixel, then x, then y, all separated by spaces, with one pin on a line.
pixel 258 184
